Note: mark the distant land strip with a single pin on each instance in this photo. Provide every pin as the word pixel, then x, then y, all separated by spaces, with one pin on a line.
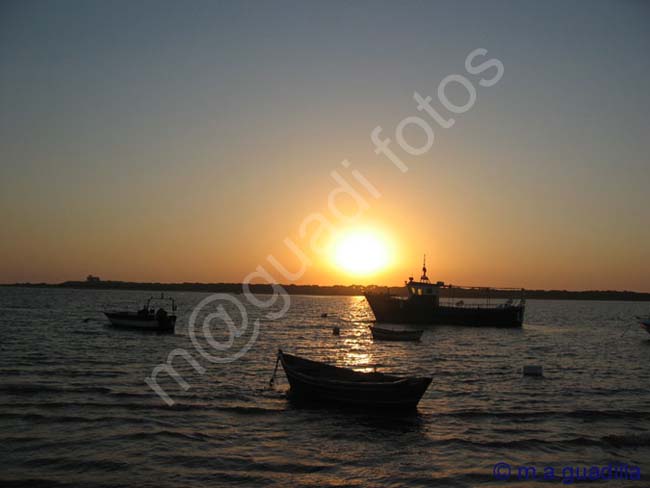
pixel 341 290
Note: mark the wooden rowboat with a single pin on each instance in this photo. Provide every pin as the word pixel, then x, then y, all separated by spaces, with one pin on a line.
pixel 382 334
pixel 321 382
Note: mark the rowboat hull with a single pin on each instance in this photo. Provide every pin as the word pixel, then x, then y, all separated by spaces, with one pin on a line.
pixel 381 334
pixel 315 381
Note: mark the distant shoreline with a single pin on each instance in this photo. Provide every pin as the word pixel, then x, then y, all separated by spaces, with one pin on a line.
pixel 340 290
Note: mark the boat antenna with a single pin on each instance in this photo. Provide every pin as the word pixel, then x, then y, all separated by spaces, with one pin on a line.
pixel 424 276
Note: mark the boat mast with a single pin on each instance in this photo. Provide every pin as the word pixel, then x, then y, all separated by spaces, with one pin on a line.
pixel 424 278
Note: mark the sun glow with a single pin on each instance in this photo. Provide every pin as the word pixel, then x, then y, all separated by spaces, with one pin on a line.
pixel 361 253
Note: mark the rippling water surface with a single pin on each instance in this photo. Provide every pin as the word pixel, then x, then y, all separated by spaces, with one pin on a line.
pixel 75 410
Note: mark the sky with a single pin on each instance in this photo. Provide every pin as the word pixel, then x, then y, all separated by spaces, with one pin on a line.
pixel 187 141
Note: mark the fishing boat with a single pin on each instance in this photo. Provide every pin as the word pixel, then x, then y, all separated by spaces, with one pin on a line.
pixel 383 334
pixel 321 382
pixel 147 318
pixel 422 306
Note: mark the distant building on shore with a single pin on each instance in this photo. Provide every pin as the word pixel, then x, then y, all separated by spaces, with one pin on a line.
pixel 92 279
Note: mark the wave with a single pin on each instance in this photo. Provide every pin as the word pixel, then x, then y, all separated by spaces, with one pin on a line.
pixel 542 414
pixel 35 483
pixel 156 405
pixel 35 417
pixel 28 389
pixel 235 464
pixel 77 464
pixel 18 389
pixel 628 440
pixel 246 410
pixel 195 436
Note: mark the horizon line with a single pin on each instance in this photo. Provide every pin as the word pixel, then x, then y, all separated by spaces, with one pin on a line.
pixel 99 283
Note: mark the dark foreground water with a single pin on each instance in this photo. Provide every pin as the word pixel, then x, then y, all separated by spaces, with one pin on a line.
pixel 75 409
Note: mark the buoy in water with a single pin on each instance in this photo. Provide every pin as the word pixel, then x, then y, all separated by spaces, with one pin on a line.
pixel 336 331
pixel 533 370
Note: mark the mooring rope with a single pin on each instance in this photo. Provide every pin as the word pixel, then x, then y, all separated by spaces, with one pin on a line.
pixel 275 370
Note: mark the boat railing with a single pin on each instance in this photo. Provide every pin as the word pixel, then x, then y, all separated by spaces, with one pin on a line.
pixel 456 295
pixel 488 305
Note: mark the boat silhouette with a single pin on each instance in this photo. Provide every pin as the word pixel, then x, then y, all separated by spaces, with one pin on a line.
pixel 422 306
pixel 384 334
pixel 321 382
pixel 147 318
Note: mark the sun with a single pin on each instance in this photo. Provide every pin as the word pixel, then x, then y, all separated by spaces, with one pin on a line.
pixel 361 252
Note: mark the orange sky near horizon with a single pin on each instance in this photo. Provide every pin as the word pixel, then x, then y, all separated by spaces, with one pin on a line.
pixel 464 245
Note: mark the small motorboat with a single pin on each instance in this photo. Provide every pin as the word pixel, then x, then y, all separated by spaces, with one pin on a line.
pixel 316 381
pixel 383 334
pixel 147 318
